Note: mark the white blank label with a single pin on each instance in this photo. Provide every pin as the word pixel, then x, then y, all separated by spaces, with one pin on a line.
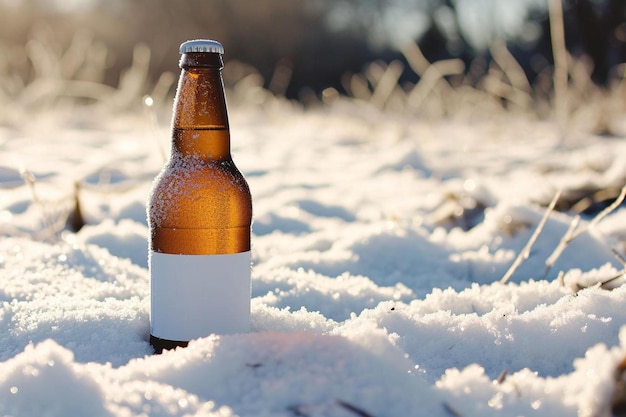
pixel 194 296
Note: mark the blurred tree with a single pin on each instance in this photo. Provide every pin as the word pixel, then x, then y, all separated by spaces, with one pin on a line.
pixel 601 34
pixel 318 41
pixel 594 28
pixel 263 33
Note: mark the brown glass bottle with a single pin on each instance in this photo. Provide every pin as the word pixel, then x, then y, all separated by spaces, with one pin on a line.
pixel 199 214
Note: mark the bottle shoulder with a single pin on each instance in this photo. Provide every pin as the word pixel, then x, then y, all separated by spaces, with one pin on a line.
pixel 199 173
pixel 200 194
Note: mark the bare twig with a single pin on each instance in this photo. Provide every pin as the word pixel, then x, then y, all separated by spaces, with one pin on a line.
pixel 525 252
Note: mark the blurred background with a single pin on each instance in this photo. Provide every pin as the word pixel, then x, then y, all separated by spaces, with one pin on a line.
pixel 309 50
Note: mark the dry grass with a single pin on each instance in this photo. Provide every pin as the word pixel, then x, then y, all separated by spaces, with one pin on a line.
pixel 525 252
pixel 62 79
pixel 75 75
pixel 446 89
pixel 572 233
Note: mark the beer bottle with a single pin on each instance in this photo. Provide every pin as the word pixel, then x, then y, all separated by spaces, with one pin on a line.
pixel 199 214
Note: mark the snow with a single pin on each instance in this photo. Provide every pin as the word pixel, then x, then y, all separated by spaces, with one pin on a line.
pixel 379 242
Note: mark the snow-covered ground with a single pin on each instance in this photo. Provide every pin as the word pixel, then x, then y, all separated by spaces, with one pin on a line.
pixel 379 243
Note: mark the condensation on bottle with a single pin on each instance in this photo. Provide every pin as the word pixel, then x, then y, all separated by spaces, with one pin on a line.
pixel 199 214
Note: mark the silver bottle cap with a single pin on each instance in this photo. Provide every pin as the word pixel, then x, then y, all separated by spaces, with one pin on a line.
pixel 201 45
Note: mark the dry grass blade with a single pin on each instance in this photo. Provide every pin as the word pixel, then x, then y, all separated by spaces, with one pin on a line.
pixel 573 232
pixel 565 240
pixel 608 210
pixel 48 223
pixel 430 74
pixel 502 376
pixel 435 72
pixel 451 410
pixel 500 89
pixel 359 87
pixel 599 285
pixel 516 87
pixel 374 72
pixel 525 252
pixel 281 78
pixel 415 57
pixel 513 70
pixel 619 256
pixel 387 84
pixel 557 35
pixel 613 278
pixel 356 410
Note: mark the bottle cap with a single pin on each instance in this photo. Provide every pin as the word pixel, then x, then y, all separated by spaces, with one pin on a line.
pixel 201 45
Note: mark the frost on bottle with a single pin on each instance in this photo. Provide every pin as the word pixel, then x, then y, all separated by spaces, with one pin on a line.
pixel 199 214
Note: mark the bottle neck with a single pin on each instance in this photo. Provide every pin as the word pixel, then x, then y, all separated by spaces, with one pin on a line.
pixel 200 118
